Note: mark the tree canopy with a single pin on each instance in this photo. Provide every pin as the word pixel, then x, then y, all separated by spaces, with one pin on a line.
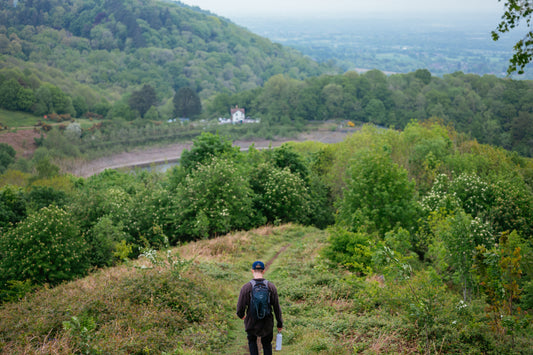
pixel 187 103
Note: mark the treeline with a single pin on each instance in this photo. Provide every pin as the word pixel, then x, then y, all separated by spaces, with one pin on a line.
pixel 492 110
pixel 113 46
pixel 424 201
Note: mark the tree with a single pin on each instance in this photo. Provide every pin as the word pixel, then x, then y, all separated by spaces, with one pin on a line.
pixel 214 199
pixel 9 91
pixel 187 103
pixel 379 195
pixel 45 247
pixel 205 147
pixel 13 206
pixel 280 195
pixel 515 12
pixel 143 99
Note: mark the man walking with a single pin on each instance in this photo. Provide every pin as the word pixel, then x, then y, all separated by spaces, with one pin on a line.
pixel 259 322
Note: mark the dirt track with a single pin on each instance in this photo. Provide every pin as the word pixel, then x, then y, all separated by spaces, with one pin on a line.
pixel 173 152
pixel 23 142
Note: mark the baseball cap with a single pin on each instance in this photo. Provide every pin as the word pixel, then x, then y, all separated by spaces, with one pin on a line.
pixel 258 265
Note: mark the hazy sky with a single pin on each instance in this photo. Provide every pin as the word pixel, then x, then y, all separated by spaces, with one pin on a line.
pixel 228 8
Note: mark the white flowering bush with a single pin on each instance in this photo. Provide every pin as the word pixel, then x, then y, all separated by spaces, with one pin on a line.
pixel 280 196
pixel 215 198
pixel 47 247
pixel 147 218
pixel 438 197
pixel 467 192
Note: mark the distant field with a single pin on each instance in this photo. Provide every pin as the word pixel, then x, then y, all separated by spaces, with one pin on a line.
pixel 17 119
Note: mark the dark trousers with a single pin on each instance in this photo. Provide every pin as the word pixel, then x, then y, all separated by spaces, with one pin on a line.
pixel 266 342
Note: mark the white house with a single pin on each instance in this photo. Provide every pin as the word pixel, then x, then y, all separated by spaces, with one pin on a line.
pixel 237 115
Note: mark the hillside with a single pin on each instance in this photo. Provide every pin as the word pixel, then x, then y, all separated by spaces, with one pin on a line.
pixel 425 246
pixel 188 307
pixel 100 50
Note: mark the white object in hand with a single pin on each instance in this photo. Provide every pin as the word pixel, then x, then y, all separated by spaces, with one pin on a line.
pixel 278 341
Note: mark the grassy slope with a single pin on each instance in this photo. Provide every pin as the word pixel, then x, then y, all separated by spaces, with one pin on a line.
pixel 127 309
pixel 14 119
pixel 135 309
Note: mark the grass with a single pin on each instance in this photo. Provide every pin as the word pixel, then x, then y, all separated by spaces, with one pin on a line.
pixel 13 119
pixel 139 308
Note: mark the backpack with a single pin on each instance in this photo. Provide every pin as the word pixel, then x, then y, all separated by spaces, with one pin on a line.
pixel 260 299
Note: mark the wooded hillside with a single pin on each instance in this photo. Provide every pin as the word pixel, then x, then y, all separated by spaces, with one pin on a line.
pixel 102 49
pixel 492 110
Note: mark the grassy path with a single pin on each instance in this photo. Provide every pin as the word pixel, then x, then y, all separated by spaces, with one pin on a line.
pixel 238 340
pixel 282 251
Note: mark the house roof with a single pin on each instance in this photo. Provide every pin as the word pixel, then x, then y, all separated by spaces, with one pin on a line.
pixel 236 109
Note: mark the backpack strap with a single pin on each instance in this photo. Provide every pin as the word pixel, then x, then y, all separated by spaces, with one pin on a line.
pixel 253 282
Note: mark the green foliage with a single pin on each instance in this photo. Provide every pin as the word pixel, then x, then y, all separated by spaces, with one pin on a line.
pixel 280 195
pixel 82 331
pixel 351 250
pixel 148 216
pixel 103 241
pixel 187 103
pixel 378 197
pixel 514 13
pixel 43 196
pixel 143 99
pixel 13 206
pixel 174 263
pixel 286 157
pixel 214 198
pixel 499 273
pixel 45 247
pixel 104 48
pixel 204 148
pixel 461 234
pixel 43 165
pixel 492 110
pixel 7 156
pixel 329 310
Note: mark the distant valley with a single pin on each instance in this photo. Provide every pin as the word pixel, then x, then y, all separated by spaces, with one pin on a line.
pixel 395 44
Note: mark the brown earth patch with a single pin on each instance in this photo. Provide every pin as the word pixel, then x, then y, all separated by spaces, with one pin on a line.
pixel 22 140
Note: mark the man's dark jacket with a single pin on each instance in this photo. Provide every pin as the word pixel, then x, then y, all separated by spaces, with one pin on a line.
pixel 260 327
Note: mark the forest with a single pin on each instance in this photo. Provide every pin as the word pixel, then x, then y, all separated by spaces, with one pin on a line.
pixel 491 110
pixel 99 50
pixel 425 208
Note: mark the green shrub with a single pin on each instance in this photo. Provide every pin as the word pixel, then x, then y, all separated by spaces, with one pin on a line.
pixel 280 195
pixel 47 247
pixel 204 148
pixel 7 156
pixel 12 206
pixel 349 249
pixel 103 240
pixel 214 199
pixel 42 196
pixel 379 195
